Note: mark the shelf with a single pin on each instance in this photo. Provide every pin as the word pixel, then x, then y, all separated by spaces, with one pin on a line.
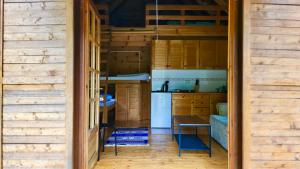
pixel 191 142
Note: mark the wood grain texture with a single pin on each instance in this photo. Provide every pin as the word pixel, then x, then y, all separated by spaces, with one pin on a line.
pixel 34 84
pixel 162 153
pixel 271 84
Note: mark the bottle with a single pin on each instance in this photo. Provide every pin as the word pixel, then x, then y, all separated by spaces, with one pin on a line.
pixel 197 86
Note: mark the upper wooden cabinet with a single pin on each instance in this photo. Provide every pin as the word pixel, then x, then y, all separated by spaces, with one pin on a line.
pixel 175 60
pixel 191 54
pixel 159 54
pixel 222 53
pixel 208 54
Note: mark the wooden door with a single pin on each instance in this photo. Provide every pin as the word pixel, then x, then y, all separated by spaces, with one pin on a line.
pixel 146 100
pixel 92 79
pixel 134 102
pixel 122 102
pixel 191 54
pixel 207 54
pixel 222 54
pixel 175 54
pixel 159 54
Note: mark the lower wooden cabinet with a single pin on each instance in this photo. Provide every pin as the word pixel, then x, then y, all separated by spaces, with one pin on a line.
pixel 132 101
pixel 200 104
pixel 182 103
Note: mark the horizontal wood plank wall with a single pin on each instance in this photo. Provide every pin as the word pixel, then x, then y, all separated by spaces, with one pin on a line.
pixel 34 83
pixel 274 84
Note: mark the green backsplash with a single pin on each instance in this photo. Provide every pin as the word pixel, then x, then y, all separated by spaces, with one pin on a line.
pixel 209 80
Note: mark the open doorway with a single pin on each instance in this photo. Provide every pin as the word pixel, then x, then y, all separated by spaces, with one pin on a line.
pixel 181 51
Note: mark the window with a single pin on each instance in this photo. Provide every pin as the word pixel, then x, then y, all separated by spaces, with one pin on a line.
pixel 93 28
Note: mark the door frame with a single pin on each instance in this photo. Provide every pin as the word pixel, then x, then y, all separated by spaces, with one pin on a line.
pixel 235 84
pixel 235 91
pixel 80 148
pixel 1 75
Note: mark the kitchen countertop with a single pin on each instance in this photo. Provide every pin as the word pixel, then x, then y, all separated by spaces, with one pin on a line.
pixel 174 92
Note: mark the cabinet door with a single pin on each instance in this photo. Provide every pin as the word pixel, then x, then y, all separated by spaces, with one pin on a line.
pixel 207 54
pixel 122 102
pixel 182 107
pixel 134 102
pixel 202 112
pixel 201 100
pixel 175 54
pixel 222 54
pixel 191 54
pixel 159 54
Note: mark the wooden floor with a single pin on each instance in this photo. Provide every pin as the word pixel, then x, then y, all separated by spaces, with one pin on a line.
pixel 162 154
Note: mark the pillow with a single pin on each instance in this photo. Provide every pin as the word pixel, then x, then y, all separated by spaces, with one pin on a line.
pixel 222 109
pixel 108 97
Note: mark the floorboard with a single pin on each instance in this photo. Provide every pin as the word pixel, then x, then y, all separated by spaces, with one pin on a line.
pixel 162 154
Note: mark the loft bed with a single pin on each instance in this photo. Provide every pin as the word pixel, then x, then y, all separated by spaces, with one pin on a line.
pixel 129 77
pixel 187 19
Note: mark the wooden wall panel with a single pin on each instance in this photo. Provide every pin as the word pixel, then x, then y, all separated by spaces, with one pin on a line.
pixel 271 84
pixel 131 52
pixel 34 84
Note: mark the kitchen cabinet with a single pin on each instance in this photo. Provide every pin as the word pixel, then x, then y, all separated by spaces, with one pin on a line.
pixel 207 54
pixel 182 103
pixel 191 54
pixel 128 102
pixel 159 54
pixel 222 53
pixel 199 104
pixel 175 60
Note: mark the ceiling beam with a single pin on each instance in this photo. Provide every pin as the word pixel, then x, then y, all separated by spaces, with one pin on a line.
pixel 115 4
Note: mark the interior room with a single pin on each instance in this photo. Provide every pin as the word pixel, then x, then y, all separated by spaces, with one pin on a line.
pixel 163 83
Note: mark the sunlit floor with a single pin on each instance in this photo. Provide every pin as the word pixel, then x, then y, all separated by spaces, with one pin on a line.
pixel 162 154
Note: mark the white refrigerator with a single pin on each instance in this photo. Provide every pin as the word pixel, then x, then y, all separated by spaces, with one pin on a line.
pixel 161 110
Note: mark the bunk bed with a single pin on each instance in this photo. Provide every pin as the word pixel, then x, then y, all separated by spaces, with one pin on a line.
pixel 128 77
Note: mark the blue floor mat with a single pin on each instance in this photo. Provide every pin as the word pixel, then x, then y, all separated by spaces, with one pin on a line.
pixel 129 137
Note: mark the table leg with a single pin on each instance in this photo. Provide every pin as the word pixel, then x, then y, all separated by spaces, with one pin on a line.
pixel 209 140
pixel 179 141
pixel 172 127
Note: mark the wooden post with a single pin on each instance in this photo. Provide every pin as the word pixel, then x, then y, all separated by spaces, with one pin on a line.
pixel 1 70
pixel 235 87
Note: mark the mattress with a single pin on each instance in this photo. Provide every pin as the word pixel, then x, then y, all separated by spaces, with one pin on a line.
pixel 138 76
pixel 219 129
pixel 109 103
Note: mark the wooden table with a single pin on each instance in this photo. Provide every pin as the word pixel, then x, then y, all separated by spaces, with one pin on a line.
pixel 190 141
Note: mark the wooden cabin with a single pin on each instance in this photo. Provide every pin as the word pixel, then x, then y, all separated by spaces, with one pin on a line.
pixel 77 74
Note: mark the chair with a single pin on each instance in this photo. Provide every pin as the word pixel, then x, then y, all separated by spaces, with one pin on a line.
pixel 103 126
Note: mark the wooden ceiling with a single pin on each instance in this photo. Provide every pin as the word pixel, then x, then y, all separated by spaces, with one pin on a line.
pixel 131 13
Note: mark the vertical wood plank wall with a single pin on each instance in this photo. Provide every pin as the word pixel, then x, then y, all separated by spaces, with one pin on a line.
pixel 34 84
pixel 271 84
